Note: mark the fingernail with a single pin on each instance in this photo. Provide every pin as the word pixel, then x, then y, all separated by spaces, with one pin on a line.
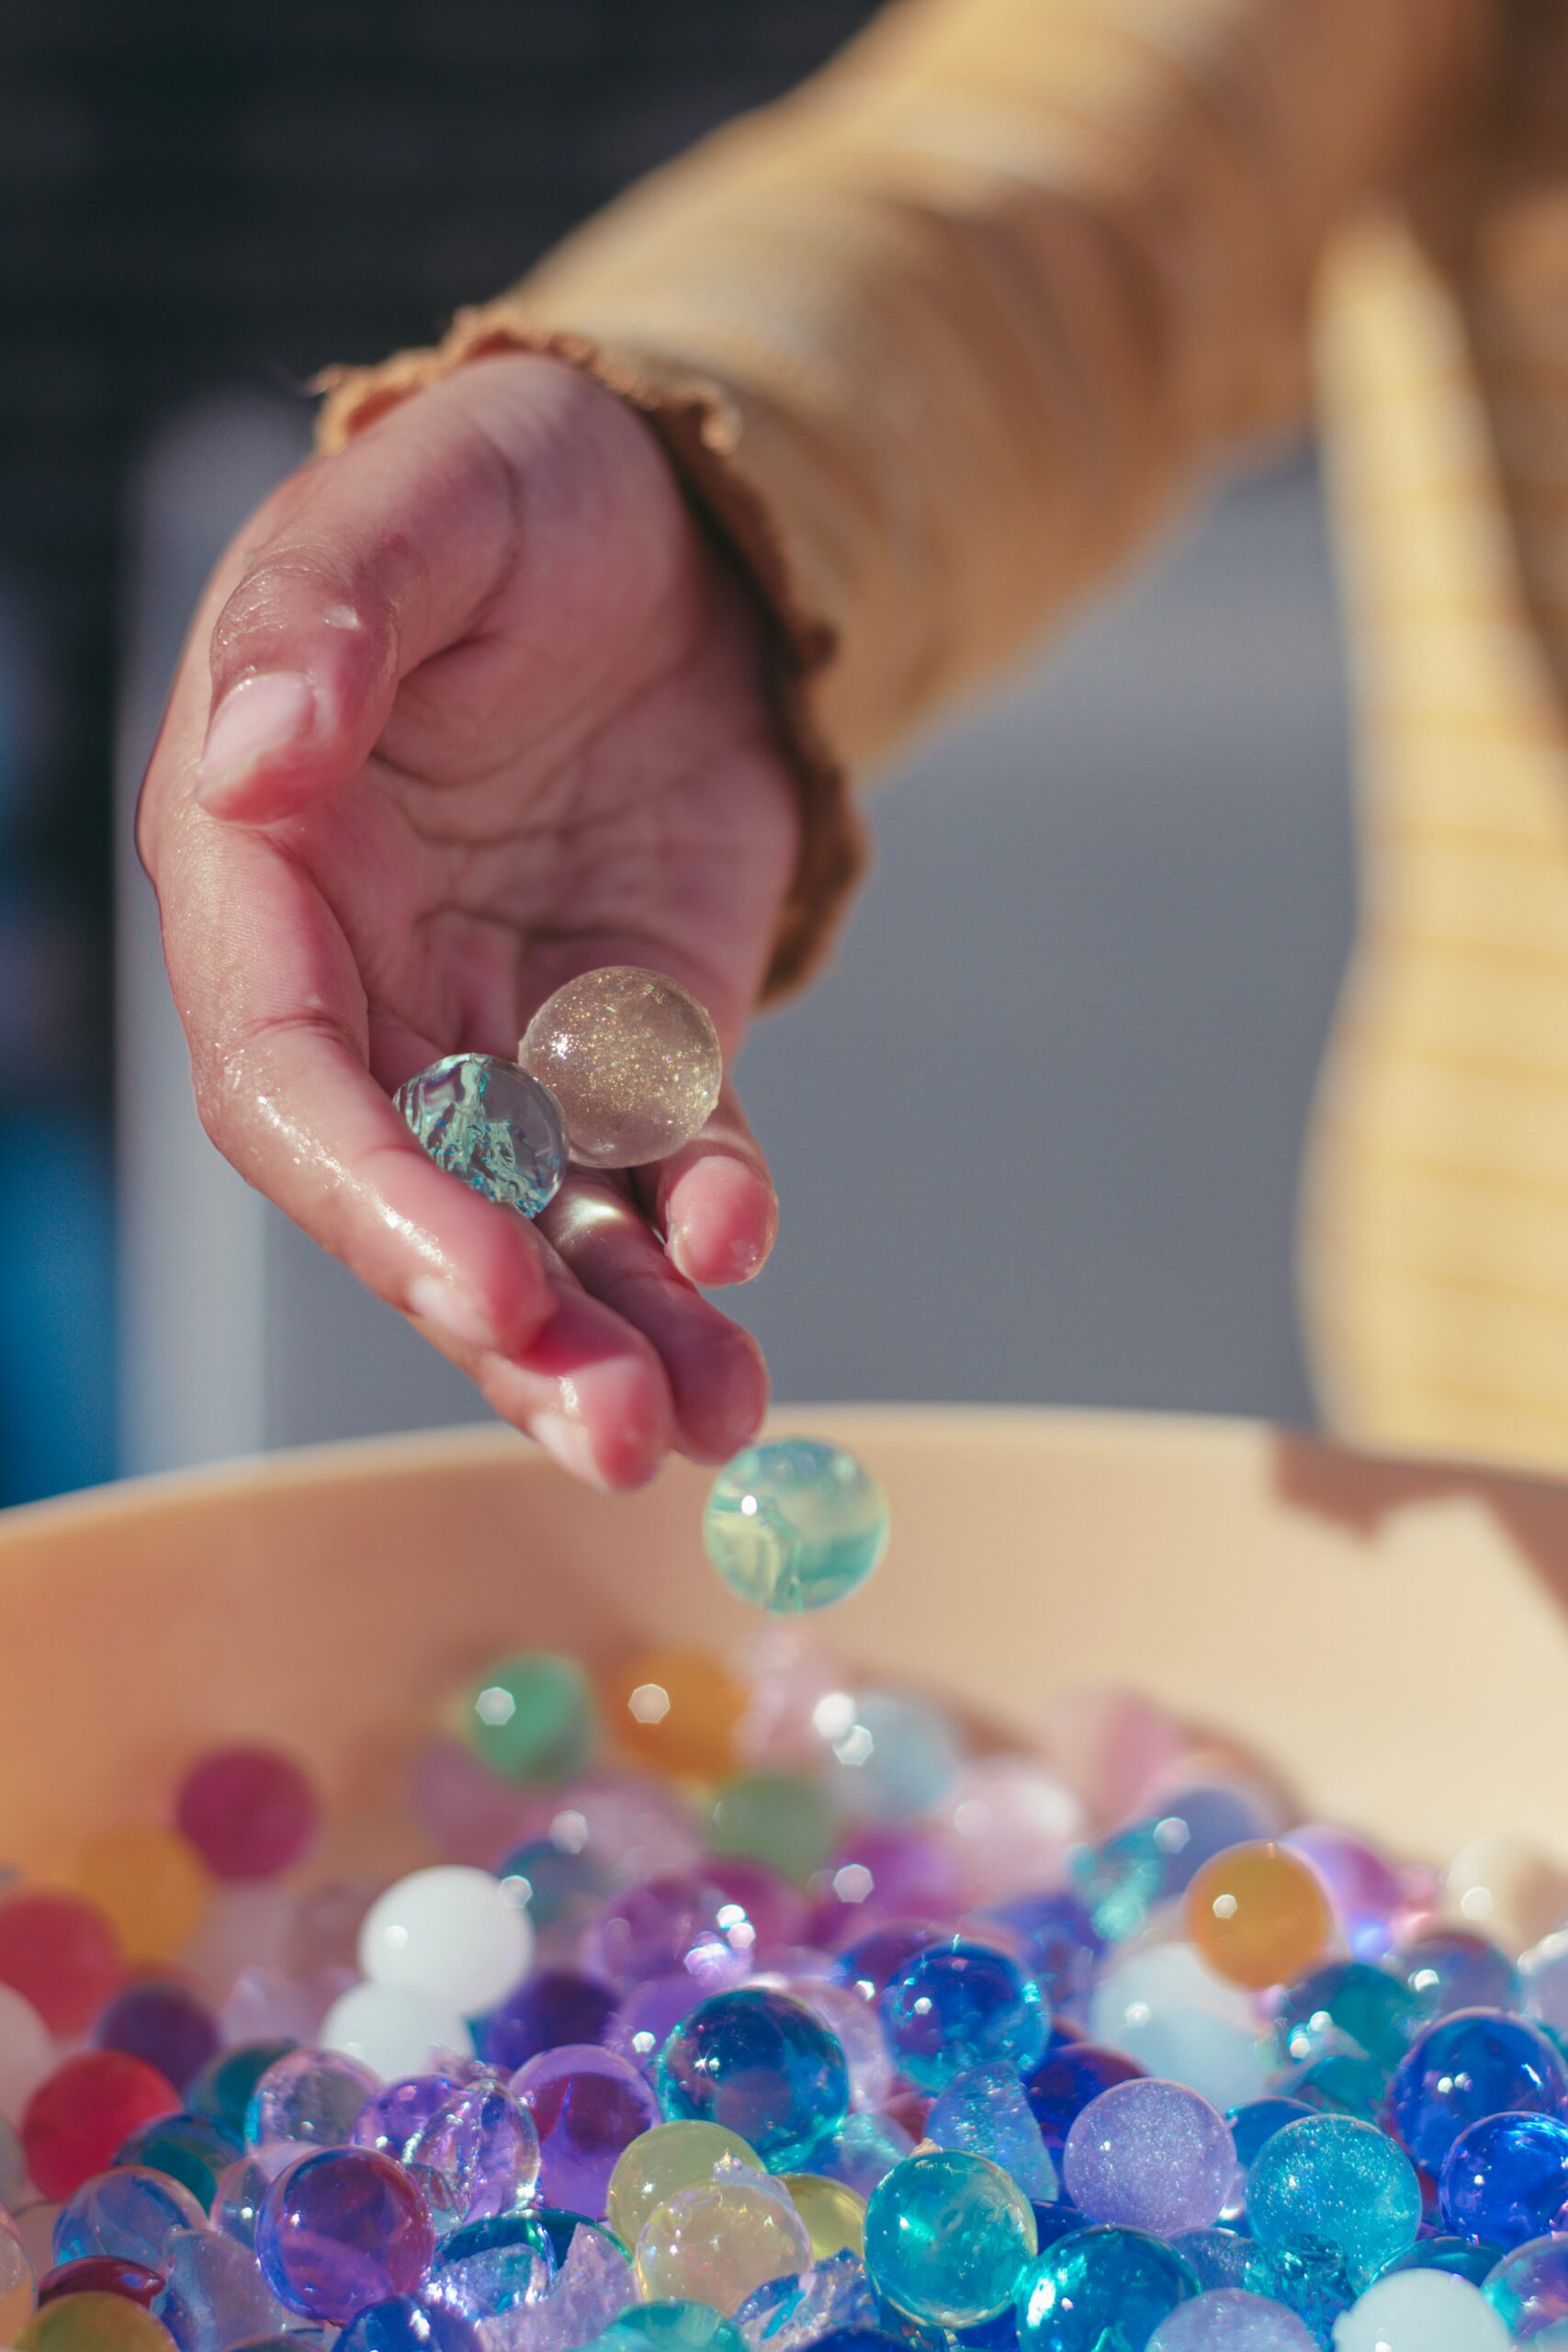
pixel 567 1441
pixel 255 718
pixel 452 1310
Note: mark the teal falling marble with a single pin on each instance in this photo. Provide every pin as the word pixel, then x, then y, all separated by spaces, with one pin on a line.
pixel 947 2237
pixel 489 1123
pixel 795 1524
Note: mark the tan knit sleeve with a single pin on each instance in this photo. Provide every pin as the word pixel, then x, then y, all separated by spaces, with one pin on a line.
pixel 936 338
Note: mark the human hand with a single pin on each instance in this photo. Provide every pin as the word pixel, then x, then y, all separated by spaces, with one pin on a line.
pixel 468 707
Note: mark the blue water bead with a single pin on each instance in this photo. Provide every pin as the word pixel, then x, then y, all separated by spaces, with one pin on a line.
pixel 1152 2156
pixel 1119 1881
pixel 1348 2004
pixel 960 2004
pixel 863 2152
pixel 985 2110
pixel 223 2087
pixel 893 1757
pixel 340 2229
pixel 1453 1968
pixel 132 2214
pixel 1231 2321
pixel 314 2097
pixel 1063 2083
pixel 786 2314
pixel 1250 2125
pixel 1198 1823
pixel 191 2149
pixel 1505 2180
pixel 1475 2263
pixel 1333 2185
pixel 763 2065
pixel 946 2236
pixel 405 2323
pixel 1058 1943
pixel 1100 2290
pixel 1475 2063
pixel 795 1524
pixel 392 2117
pixel 489 1123
pixel 484 2145
pixel 491 2266
pixel 670 2325
pixel 869 1964
pixel 1528 2289
pixel 553 2006
pixel 213 2295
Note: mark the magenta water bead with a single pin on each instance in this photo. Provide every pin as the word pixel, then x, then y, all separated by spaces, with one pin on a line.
pixel 341 2230
pixel 1149 2156
pixel 587 2104
pixel 249 1812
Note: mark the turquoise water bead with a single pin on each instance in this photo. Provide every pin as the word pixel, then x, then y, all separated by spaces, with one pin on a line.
pixel 946 2238
pixel 1231 2320
pixel 1332 2185
pixel 1149 2156
pixel 489 1123
pixel 190 2149
pixel 223 2087
pixel 795 1524
pixel 1421 2310
pixel 672 2325
pixel 959 2005
pixel 1351 2002
pixel 1100 2290
pixel 761 2064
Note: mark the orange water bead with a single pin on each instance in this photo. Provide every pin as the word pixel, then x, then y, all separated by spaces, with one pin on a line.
pixel 676 1712
pixel 1257 1915
pixel 150 1882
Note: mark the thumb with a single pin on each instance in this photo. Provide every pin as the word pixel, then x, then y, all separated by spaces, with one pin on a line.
pixel 358 569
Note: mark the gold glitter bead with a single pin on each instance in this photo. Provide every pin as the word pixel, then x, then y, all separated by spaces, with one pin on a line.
pixel 633 1060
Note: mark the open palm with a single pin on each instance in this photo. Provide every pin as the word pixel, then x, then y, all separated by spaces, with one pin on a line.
pixel 471 707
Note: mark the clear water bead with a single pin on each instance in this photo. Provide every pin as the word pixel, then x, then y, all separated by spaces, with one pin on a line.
pixel 795 1524
pixel 492 1124
pixel 633 1060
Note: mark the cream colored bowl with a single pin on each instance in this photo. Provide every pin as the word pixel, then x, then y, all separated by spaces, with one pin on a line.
pixel 1392 1636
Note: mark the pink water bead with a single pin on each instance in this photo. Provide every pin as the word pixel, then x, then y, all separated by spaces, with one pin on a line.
pixel 786 1680
pixel 1362 1886
pixel 468 1814
pixel 1149 2156
pixel 1111 1747
pixel 1012 1823
pixel 632 1827
pixel 671 1922
pixel 249 1812
pixel 906 1871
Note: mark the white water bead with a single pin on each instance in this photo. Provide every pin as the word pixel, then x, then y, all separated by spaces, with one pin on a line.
pixel 1505 1888
pixel 451 1932
pixel 394 2029
pixel 1421 2310
pixel 26 2053
pixel 1165 2008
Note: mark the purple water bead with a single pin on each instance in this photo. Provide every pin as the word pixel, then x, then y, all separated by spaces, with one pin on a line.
pixel 873 1960
pixel 648 2016
pixel 882 1874
pixel 485 2146
pixel 631 1827
pixel 168 2026
pixel 1150 2156
pixel 588 2104
pixel 1360 1883
pixel 391 2117
pixel 343 2228
pixel 776 1912
pixel 1063 2083
pixel 1453 1968
pixel 664 1924
pixel 553 2006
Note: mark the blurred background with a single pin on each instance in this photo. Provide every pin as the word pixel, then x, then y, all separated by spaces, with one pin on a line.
pixel 1036 1133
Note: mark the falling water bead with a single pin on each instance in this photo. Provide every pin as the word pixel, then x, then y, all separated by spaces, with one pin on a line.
pixel 92 2324
pixel 795 1524
pixel 492 1124
pixel 834 2216
pixel 451 1933
pixel 663 2161
pixel 530 1717
pixel 780 1818
pixel 249 1812
pixel 484 2145
pixel 986 2112
pixel 762 2065
pixel 1149 2156
pixel 189 2148
pixel 1331 2184
pixel 341 2229
pixel 946 2238
pixel 130 2214
pixel 1100 2290
pixel 1257 1915
pixel 78 2118
pixel 61 1953
pixel 167 2025
pixel 1505 2180
pixel 1475 2063
pixel 717 2243
pixel 1231 2320
pixel 959 2005
pixel 633 1060
pixel 588 2105
pixel 1421 2310
pixel 312 2097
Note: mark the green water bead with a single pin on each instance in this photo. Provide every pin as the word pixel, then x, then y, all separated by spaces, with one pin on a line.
pixel 531 1717
pixel 779 1818
pixel 671 2326
pixel 795 1524
pixel 658 2165
pixel 947 2237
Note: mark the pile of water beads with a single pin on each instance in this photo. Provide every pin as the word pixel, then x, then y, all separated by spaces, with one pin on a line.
pixel 738 2005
